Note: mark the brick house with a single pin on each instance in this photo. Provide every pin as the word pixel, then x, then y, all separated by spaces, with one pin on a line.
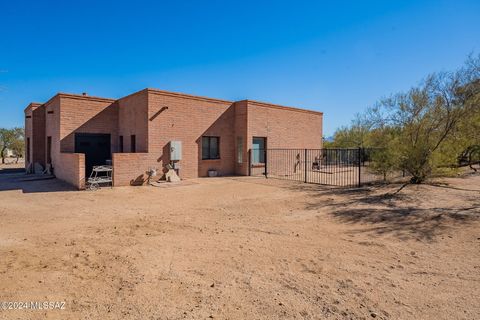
pixel 74 132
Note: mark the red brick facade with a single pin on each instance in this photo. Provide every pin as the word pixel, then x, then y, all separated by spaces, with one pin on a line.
pixel 151 119
pixel 35 130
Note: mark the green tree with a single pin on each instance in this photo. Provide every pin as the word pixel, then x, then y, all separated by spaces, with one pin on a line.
pixel 354 136
pixel 429 116
pixel 385 157
pixel 10 139
pixel 425 129
pixel 18 148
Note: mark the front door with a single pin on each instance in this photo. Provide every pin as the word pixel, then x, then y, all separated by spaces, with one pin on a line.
pixel 96 148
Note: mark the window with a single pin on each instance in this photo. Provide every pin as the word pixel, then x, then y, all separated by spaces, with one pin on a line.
pixel 258 150
pixel 239 150
pixel 210 148
pixel 120 144
pixel 49 150
pixel 133 146
pixel 28 149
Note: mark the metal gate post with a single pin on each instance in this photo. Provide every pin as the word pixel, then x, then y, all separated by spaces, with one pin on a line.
pixel 266 161
pixel 249 162
pixel 359 167
pixel 305 159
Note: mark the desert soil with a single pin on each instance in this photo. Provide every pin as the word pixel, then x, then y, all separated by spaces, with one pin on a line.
pixel 241 248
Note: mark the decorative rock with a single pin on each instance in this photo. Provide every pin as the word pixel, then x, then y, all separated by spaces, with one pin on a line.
pixel 37 168
pixel 171 176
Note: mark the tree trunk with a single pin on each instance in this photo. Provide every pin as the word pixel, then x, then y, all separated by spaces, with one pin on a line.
pixel 417 180
pixel 2 155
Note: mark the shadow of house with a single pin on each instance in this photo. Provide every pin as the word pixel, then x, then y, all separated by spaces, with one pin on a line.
pixel 28 184
pixel 224 128
pixel 39 137
pixel 164 158
pixel 11 170
pixel 105 122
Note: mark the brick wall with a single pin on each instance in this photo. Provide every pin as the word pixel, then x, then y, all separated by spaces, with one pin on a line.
pixel 66 115
pixel 130 168
pixel 132 120
pixel 86 115
pixel 71 169
pixel 35 133
pixel 38 140
pixel 52 129
pixel 157 117
pixel 284 127
pixel 187 118
pixel 28 135
pixel 241 132
pixel 173 117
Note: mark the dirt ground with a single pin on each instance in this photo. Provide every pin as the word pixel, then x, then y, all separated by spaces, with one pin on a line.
pixel 241 248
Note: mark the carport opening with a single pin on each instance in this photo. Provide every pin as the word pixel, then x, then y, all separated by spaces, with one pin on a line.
pixel 96 148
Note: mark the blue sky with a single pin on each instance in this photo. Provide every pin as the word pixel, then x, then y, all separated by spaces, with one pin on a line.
pixel 338 57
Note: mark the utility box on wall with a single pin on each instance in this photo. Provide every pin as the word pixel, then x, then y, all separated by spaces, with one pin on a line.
pixel 175 150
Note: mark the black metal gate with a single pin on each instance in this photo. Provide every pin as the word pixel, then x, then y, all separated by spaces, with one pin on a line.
pixel 337 167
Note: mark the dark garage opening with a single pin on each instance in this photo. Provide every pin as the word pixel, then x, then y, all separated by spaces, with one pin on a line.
pixel 96 148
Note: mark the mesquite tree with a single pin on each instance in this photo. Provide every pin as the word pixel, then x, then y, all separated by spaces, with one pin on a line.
pixel 429 115
pixel 10 139
pixel 424 129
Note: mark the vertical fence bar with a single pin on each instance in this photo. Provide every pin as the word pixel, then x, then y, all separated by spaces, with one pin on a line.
pixel 322 166
pixel 305 159
pixel 266 161
pixel 359 168
pixel 249 162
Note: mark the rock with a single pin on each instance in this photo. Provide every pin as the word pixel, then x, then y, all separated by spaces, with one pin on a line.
pixel 37 168
pixel 373 315
pixel 171 176
pixel 212 285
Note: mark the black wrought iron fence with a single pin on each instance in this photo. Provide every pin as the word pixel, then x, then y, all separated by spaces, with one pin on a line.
pixel 338 167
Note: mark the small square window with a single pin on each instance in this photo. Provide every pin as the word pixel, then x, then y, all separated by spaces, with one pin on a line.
pixel 210 148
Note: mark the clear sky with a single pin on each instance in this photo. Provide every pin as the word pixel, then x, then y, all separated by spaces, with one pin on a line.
pixel 334 56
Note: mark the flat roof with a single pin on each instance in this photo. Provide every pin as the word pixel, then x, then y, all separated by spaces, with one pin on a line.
pixel 260 103
pixel 32 105
pixel 175 94
pixel 278 106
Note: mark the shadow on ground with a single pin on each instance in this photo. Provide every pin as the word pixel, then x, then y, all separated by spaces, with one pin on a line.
pixel 390 209
pixel 14 179
pixel 407 223
pixel 11 170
